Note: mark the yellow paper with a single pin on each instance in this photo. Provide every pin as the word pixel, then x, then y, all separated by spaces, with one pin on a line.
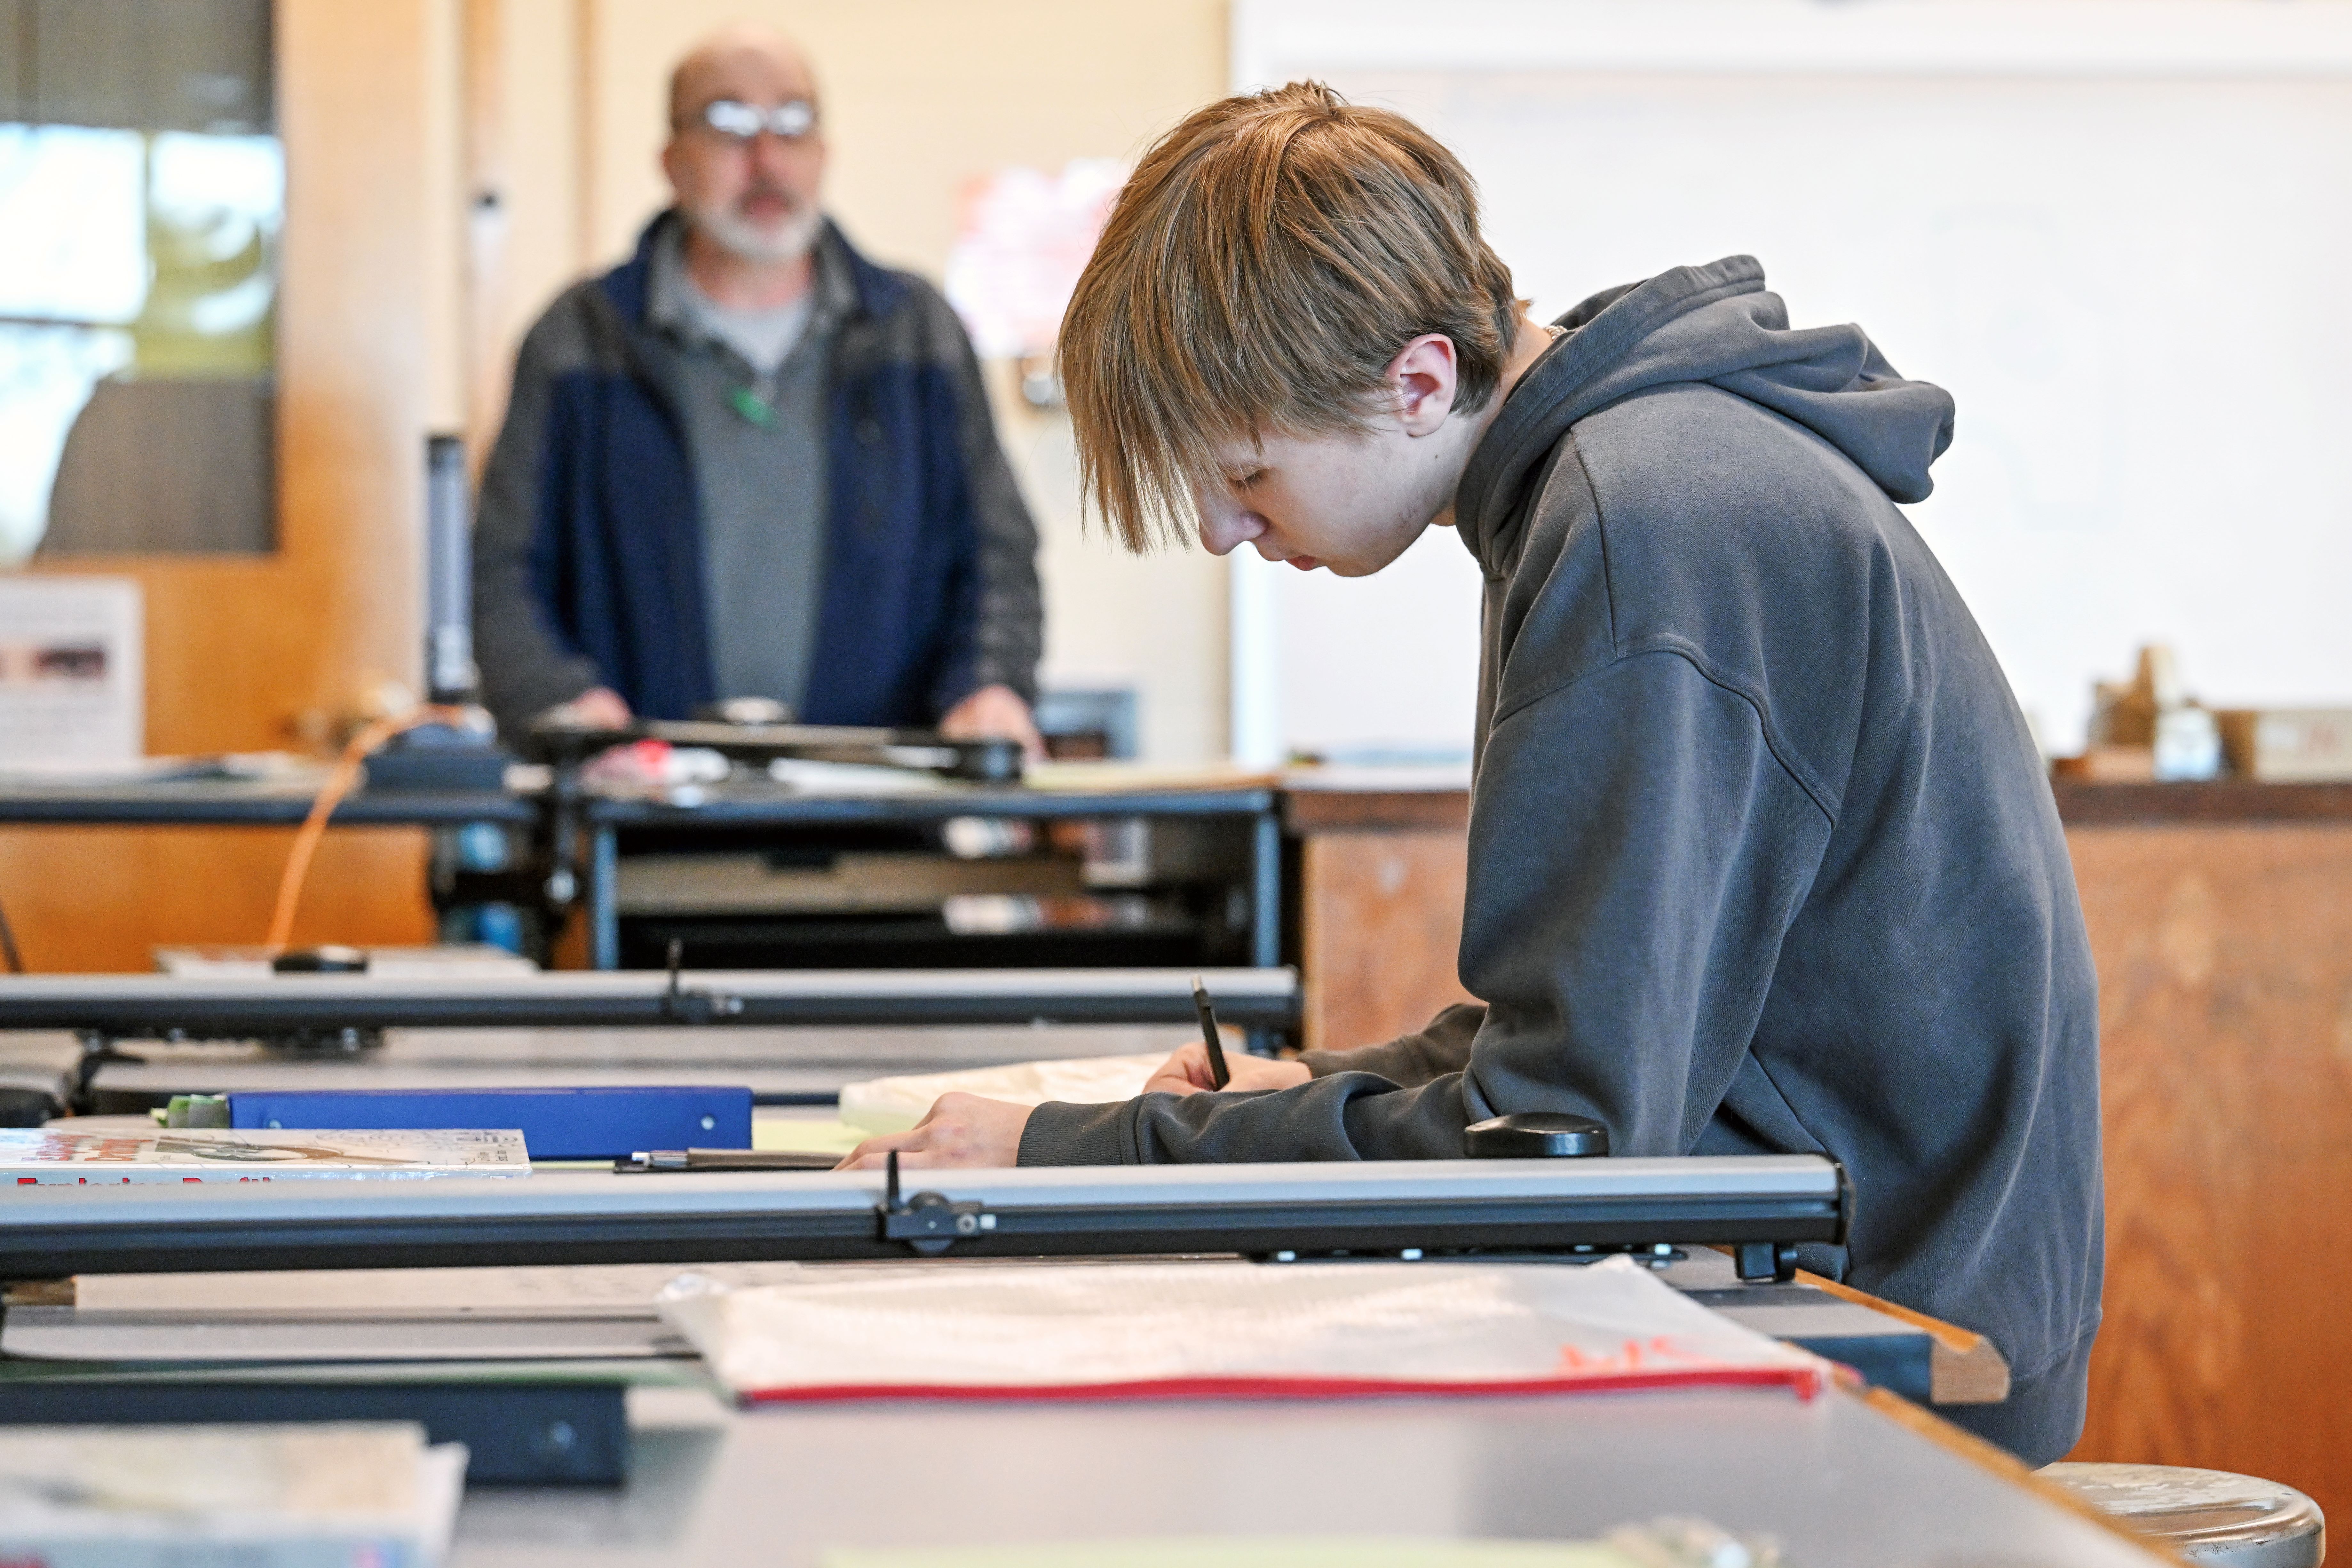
pixel 809 1135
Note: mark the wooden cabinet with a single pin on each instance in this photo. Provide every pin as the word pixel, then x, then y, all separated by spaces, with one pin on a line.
pixel 1379 874
pixel 2221 918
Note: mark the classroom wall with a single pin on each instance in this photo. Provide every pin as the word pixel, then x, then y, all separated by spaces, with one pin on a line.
pixel 2099 223
pixel 921 97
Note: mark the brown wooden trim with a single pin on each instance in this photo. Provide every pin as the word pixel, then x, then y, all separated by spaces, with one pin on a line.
pixel 1345 810
pixel 1963 1366
pixel 2221 800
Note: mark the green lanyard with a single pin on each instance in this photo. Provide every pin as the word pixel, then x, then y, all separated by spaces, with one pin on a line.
pixel 752 406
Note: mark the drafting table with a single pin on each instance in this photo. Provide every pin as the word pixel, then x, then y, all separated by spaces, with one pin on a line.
pixel 126 1006
pixel 1838 1482
pixel 604 1311
pixel 248 802
pixel 805 1066
pixel 567 1340
pixel 794 1036
pixel 739 807
pixel 583 826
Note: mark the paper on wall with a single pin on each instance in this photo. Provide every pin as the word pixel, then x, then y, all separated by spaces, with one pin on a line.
pixel 72 677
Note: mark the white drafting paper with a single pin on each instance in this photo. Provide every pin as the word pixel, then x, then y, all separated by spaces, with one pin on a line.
pixel 895 1104
pixel 1216 1327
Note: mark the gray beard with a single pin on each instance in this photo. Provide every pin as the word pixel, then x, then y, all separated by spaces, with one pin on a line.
pixel 788 242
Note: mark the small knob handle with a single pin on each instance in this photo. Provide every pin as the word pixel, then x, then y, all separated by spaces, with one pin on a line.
pixel 1534 1135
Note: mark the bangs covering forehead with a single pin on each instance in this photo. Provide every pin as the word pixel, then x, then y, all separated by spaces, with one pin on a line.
pixel 1268 259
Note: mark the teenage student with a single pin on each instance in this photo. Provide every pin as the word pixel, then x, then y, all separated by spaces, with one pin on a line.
pixel 1762 859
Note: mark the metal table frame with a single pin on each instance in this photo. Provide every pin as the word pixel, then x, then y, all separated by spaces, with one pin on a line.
pixel 569 813
pixel 604 817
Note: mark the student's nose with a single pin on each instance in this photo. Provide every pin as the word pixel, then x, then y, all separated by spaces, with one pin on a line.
pixel 1228 527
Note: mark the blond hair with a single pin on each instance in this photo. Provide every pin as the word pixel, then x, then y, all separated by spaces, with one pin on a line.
pixel 1263 266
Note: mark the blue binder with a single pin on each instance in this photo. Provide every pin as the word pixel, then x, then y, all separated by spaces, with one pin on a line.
pixel 556 1124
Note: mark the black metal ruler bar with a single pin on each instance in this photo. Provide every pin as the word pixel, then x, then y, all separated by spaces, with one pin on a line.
pixel 1429 1208
pixel 146 1007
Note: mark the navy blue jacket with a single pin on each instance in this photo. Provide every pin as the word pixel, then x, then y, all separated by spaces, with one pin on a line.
pixel 588 551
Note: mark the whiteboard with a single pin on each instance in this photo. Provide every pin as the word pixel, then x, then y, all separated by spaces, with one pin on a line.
pixel 2111 228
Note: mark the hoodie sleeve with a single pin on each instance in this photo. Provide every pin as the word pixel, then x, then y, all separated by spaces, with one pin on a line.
pixel 1637 852
pixel 1441 1046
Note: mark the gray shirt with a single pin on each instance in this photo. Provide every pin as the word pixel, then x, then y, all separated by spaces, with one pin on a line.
pixel 753 388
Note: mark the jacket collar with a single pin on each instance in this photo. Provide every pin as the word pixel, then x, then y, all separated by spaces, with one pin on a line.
pixel 878 292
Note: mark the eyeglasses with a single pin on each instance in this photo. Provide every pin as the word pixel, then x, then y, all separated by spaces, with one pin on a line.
pixel 740 122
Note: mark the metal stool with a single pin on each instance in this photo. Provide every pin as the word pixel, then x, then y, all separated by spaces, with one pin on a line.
pixel 2206 1516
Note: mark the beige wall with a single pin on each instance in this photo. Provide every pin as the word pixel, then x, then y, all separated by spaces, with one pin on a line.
pixel 921 97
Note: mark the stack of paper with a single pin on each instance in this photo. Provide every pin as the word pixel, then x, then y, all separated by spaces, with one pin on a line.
pixel 1219 1329
pixel 60 1155
pixel 895 1104
pixel 323 1496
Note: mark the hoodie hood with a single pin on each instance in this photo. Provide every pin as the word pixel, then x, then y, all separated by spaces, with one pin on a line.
pixel 1718 325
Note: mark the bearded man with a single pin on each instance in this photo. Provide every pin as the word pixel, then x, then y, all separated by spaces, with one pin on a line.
pixel 749 462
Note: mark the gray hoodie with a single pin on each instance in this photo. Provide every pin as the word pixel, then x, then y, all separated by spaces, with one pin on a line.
pixel 1761 855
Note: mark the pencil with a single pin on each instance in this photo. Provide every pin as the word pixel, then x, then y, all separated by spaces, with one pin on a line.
pixel 1218 1074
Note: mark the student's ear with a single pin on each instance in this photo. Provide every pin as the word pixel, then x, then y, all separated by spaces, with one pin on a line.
pixel 1423 377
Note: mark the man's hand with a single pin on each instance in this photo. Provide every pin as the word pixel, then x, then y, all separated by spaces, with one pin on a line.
pixel 598 708
pixel 995 713
pixel 958 1130
pixel 1187 1072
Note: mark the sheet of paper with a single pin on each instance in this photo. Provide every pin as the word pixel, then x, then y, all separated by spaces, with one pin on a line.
pixel 806 1134
pixel 895 1104
pixel 1304 1330
pixel 261 1335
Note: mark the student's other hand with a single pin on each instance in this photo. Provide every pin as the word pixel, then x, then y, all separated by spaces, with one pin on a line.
pixel 1187 1072
pixel 995 713
pixel 598 708
pixel 958 1130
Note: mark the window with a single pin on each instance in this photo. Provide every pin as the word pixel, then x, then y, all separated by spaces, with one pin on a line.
pixel 143 193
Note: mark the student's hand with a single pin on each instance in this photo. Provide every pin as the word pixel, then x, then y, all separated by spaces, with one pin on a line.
pixel 958 1130
pixel 598 708
pixel 995 713
pixel 1187 1072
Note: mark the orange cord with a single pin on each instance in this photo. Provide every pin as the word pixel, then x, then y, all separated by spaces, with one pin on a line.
pixel 314 826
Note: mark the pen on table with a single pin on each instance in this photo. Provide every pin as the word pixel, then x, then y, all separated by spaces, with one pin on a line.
pixel 1218 1074
pixel 725 1159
